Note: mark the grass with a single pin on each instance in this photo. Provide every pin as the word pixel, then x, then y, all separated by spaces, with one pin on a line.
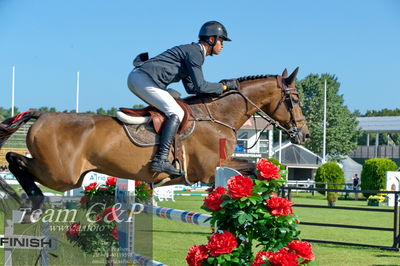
pixel 171 240
pixel 18 188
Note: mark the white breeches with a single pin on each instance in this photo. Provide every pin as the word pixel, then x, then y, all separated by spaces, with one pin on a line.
pixel 145 88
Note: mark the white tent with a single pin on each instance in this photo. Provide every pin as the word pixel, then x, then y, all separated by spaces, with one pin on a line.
pixel 350 167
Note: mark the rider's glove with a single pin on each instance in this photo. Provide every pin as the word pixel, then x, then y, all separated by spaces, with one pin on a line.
pixel 229 84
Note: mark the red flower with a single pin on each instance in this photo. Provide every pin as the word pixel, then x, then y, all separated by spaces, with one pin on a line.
pixel 267 170
pixel 302 249
pixel 110 214
pixel 221 243
pixel 279 206
pixel 114 233
pixel 84 199
pixel 111 181
pixel 282 258
pixel 259 260
pixel 138 183
pixel 240 186
pixel 213 200
pixel 196 255
pixel 73 230
pixel 91 186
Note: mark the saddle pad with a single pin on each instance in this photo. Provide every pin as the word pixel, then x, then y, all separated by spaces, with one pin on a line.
pixel 144 135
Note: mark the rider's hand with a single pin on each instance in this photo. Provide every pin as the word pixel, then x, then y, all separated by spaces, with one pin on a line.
pixel 229 84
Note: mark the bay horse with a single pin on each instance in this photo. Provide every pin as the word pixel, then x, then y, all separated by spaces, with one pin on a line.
pixel 64 147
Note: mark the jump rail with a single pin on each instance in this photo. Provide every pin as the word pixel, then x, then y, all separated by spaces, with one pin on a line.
pixel 178 215
pixel 395 210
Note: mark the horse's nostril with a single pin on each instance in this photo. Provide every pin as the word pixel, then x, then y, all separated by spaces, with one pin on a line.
pixel 307 136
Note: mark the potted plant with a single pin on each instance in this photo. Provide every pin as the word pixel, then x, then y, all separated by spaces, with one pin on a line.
pixel 377 200
pixel 331 197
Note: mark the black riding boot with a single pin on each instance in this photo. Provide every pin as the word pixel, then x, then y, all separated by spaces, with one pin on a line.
pixel 160 163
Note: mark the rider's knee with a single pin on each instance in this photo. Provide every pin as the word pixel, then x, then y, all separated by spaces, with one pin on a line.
pixel 180 113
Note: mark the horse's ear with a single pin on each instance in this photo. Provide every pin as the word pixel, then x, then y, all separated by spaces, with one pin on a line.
pixel 292 77
pixel 284 73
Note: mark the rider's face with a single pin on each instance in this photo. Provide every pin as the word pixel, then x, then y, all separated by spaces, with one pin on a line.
pixel 218 46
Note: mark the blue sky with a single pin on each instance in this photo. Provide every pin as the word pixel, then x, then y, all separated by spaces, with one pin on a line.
pixel 48 41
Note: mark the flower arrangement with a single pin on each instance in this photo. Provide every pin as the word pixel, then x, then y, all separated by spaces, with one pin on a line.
pixel 377 200
pixel 99 233
pixel 250 211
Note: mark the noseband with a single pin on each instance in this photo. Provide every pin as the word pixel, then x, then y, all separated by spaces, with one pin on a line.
pixel 287 93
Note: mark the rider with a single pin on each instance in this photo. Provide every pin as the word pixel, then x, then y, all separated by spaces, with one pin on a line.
pixel 150 78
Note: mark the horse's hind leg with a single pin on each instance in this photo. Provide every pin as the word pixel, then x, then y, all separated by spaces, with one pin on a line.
pixel 18 167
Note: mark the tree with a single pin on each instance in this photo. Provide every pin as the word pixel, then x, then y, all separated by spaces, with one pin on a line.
pixel 383 112
pixel 45 109
pixel 138 106
pixel 6 113
pixel 342 127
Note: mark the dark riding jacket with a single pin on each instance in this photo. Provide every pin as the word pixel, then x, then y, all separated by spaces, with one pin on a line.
pixel 184 63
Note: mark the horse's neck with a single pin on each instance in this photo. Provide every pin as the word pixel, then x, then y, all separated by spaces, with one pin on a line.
pixel 235 110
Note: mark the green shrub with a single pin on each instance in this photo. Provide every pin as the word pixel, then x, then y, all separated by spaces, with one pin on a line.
pixel 330 173
pixel 373 174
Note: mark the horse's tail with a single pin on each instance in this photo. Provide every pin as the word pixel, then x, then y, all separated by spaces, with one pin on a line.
pixel 12 124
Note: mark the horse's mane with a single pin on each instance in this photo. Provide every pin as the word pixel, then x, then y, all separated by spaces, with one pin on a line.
pixel 246 78
pixel 196 98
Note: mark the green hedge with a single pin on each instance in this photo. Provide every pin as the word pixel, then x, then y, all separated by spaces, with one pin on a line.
pixel 373 174
pixel 330 173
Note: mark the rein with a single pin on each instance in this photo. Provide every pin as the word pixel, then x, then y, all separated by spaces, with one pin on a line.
pixel 212 119
pixel 286 98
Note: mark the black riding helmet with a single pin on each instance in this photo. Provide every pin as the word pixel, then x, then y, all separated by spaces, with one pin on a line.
pixel 213 28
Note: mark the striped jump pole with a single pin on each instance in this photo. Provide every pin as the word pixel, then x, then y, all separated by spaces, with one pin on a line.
pixel 193 195
pixel 178 215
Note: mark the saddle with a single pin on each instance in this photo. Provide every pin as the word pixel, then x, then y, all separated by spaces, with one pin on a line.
pixel 158 118
pixel 145 133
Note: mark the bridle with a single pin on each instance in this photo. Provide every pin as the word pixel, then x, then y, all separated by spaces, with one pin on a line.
pixel 287 99
pixel 287 93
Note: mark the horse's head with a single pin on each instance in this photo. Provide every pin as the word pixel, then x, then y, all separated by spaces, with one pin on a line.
pixel 286 108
